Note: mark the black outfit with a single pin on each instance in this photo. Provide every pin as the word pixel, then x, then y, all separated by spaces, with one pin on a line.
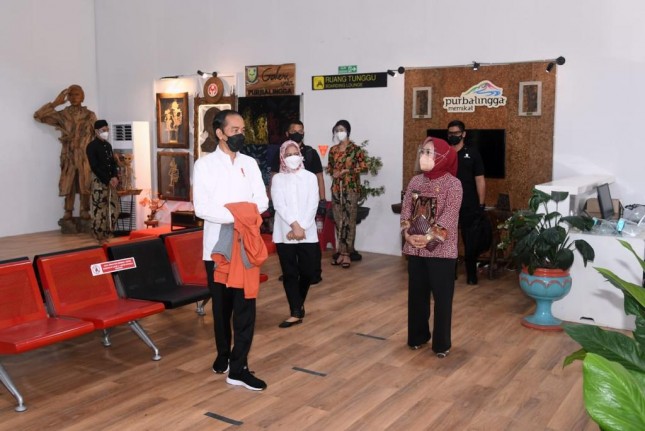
pixel 436 276
pixel 298 263
pixel 312 163
pixel 104 200
pixel 224 301
pixel 101 159
pixel 470 165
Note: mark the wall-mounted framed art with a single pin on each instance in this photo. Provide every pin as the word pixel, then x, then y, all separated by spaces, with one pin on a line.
pixel 422 102
pixel 173 175
pixel 203 125
pixel 172 120
pixel 530 99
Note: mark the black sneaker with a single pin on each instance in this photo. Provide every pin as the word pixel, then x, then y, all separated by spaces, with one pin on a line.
pixel 246 379
pixel 220 366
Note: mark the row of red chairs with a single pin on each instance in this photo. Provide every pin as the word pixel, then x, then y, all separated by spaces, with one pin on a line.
pixel 58 297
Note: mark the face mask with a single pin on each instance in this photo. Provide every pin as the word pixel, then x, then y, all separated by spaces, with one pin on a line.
pixel 454 140
pixel 104 135
pixel 235 142
pixel 426 162
pixel 296 137
pixel 293 162
pixel 341 136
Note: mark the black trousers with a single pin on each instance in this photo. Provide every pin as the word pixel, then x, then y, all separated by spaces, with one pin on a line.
pixel 436 276
pixel 299 263
pixel 468 237
pixel 230 303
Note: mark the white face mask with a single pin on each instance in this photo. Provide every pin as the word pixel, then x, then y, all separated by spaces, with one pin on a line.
pixel 426 162
pixel 341 136
pixel 104 135
pixel 293 162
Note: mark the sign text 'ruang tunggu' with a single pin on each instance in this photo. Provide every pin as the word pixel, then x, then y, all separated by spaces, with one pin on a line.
pixel 271 79
pixel 354 80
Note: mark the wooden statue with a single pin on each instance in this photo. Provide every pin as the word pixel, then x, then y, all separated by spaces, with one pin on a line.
pixel 76 124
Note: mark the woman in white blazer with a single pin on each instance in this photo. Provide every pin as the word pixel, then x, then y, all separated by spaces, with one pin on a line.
pixel 294 192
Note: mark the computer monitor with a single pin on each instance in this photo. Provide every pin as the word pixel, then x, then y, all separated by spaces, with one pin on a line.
pixel 604 202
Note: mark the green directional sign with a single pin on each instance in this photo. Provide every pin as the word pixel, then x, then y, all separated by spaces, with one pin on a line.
pixel 347 69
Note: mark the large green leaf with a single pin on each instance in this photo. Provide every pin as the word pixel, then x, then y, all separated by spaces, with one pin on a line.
pixel 583 223
pixel 554 235
pixel 578 355
pixel 559 196
pixel 628 246
pixel 613 397
pixel 612 345
pixel 634 289
pixel 563 259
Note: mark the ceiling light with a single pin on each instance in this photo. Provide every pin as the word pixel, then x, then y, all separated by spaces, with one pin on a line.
pixel 399 71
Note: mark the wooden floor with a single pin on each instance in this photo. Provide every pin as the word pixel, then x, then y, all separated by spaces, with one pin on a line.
pixel 359 374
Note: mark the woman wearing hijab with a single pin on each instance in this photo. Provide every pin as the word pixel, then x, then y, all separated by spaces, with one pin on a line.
pixel 431 243
pixel 294 192
pixel 345 163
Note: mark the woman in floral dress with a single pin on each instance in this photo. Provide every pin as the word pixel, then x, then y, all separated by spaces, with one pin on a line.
pixel 345 163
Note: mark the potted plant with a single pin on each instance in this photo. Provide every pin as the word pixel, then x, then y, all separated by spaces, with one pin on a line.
pixel 613 364
pixel 541 246
pixel 374 165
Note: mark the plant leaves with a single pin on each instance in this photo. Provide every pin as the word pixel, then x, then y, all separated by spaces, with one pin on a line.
pixel 563 259
pixel 559 196
pixel 613 396
pixel 634 289
pixel 628 246
pixel 586 251
pixel 577 355
pixel 612 345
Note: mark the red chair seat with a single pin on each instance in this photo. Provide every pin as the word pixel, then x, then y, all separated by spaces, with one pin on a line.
pixel 113 313
pixel 40 333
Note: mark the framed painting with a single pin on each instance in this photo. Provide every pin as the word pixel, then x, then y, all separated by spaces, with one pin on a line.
pixel 530 99
pixel 422 102
pixel 173 175
pixel 172 120
pixel 203 125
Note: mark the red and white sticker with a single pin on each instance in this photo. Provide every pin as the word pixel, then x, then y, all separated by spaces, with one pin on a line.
pixel 113 266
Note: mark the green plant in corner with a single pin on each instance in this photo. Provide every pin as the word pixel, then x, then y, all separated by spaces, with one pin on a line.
pixel 540 240
pixel 374 165
pixel 614 363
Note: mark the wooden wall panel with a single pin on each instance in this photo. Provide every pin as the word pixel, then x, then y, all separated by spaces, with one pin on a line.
pixel 529 140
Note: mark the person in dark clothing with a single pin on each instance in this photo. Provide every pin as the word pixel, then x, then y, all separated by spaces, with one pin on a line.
pixel 311 160
pixel 470 172
pixel 104 201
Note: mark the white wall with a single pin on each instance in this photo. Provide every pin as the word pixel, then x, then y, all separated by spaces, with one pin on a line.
pixel 598 99
pixel 44 46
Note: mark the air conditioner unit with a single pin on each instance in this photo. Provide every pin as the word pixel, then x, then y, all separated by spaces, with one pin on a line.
pixel 133 138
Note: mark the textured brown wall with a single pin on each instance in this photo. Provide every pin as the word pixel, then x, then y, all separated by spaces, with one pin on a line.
pixel 529 140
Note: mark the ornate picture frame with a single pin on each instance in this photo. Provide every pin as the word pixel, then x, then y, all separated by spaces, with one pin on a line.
pixel 173 175
pixel 530 99
pixel 422 102
pixel 204 113
pixel 172 120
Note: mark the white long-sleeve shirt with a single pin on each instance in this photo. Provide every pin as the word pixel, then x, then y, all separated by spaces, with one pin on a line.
pixel 219 181
pixel 295 198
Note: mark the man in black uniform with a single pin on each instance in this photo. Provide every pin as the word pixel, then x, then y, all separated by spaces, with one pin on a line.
pixel 470 172
pixel 104 201
pixel 296 132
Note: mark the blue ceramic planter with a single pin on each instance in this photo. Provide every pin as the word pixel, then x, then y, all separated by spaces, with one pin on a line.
pixel 544 286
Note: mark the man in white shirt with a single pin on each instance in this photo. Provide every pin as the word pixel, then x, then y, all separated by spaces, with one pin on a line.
pixel 222 177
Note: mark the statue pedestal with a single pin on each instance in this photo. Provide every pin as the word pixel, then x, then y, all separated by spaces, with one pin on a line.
pixel 75 225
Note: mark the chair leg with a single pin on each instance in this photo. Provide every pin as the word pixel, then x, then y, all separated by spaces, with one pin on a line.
pixel 106 338
pixel 134 325
pixel 6 380
pixel 200 307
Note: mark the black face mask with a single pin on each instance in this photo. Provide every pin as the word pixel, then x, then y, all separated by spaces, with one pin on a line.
pixel 296 137
pixel 235 142
pixel 454 140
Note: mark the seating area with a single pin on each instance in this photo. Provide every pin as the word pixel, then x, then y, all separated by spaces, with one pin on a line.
pixel 61 295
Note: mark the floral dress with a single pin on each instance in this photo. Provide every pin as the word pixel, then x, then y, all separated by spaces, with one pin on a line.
pixel 345 191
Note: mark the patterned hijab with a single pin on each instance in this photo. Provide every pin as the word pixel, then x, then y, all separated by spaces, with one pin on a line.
pixel 284 169
pixel 445 159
